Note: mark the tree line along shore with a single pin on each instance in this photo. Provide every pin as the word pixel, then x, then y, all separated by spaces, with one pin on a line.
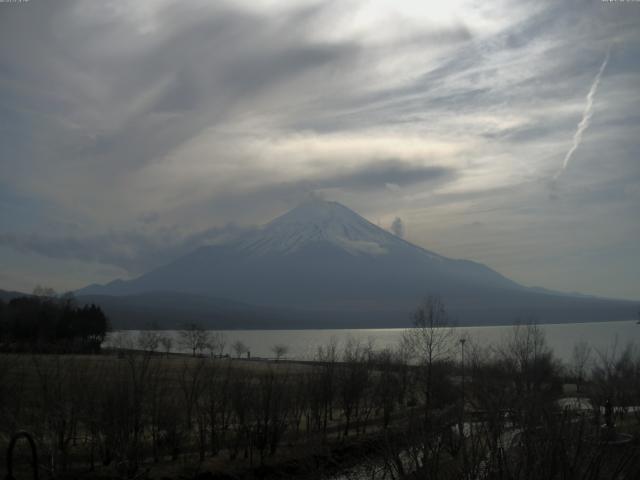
pixel 47 323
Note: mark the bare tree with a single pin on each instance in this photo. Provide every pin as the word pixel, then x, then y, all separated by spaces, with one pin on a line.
pixel 529 357
pixel 280 350
pixel 430 341
pixel 192 384
pixel 217 343
pixel 580 360
pixel 121 341
pixel 328 357
pixel 195 338
pixel 239 348
pixel 431 337
pixel 386 384
pixel 353 381
pixel 167 343
pixel 149 340
pixel 613 377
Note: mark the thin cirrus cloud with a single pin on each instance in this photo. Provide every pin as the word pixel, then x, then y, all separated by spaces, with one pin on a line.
pixel 182 116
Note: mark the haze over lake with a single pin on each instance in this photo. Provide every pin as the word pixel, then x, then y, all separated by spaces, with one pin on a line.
pixel 303 344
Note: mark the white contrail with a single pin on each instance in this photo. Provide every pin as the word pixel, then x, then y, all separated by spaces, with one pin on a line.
pixel 586 118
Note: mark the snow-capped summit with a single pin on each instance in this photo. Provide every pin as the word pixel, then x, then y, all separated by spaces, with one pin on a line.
pixel 315 222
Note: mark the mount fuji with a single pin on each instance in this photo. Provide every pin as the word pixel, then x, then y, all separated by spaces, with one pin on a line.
pixel 323 265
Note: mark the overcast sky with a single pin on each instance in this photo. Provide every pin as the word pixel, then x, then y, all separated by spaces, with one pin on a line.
pixel 503 132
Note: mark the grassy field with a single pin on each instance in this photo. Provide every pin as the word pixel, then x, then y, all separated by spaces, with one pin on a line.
pixel 65 401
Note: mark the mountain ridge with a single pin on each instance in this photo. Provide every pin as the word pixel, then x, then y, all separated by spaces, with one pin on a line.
pixel 313 226
pixel 322 256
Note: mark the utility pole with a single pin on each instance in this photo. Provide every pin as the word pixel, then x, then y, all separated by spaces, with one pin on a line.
pixel 462 342
pixel 462 435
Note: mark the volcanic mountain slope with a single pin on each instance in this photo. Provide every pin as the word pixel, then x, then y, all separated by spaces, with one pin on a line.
pixel 323 257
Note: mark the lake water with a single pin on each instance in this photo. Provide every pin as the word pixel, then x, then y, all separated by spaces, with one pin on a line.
pixel 303 344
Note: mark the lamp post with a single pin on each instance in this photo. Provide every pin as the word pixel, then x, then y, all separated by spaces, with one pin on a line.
pixel 34 454
pixel 462 436
pixel 462 342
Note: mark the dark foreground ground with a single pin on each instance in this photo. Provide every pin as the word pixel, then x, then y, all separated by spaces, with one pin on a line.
pixel 349 414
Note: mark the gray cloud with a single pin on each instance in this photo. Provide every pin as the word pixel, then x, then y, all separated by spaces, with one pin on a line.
pixel 134 252
pixel 397 227
pixel 372 178
pixel 203 66
pixel 382 173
